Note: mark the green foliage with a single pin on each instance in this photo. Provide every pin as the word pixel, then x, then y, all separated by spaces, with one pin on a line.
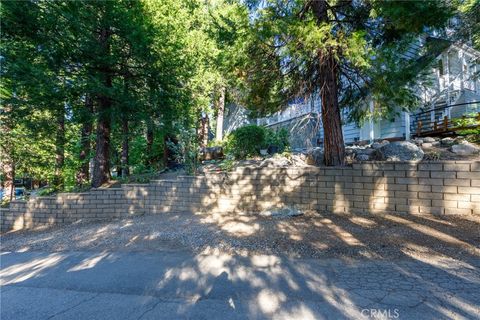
pixel 159 67
pixel 278 139
pixel 186 150
pixel 368 40
pixel 470 120
pixel 246 141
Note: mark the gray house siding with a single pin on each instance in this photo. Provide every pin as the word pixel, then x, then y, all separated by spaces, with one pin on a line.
pixel 235 117
pixel 351 132
pixel 392 128
pixel 305 131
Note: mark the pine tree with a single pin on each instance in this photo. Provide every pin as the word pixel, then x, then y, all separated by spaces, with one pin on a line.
pixel 333 48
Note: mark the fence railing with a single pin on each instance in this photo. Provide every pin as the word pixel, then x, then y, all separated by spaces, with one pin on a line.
pixel 446 119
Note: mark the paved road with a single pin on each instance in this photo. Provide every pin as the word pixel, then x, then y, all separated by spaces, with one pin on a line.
pixel 178 285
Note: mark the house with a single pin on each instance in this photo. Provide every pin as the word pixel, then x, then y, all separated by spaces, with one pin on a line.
pixel 454 91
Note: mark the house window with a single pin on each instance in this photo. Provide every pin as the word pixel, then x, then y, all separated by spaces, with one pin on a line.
pixel 440 67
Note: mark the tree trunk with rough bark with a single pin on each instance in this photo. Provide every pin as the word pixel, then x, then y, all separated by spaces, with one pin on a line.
pixel 8 168
pixel 101 167
pixel 7 163
pixel 333 145
pixel 59 149
pixel 334 148
pixel 202 131
pixel 83 174
pixel 220 113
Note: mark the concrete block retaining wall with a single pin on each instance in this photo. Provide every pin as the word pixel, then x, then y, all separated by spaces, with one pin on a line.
pixel 448 187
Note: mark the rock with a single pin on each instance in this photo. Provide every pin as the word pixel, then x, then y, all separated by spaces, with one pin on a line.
pixel 427 145
pixel 363 154
pixel 447 141
pixel 399 151
pixel 436 143
pixel 276 162
pixel 314 157
pixel 349 151
pixel 298 160
pixel 428 139
pixel 362 157
pixel 378 145
pixel 282 212
pixel 465 149
pixel 367 151
pixel 418 142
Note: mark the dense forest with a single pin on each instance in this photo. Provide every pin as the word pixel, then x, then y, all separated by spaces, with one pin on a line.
pixel 94 87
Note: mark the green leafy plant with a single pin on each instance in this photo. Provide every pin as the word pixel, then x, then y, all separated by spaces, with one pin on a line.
pixel 186 150
pixel 246 141
pixel 469 120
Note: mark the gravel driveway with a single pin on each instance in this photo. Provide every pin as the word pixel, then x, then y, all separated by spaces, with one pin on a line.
pixel 309 236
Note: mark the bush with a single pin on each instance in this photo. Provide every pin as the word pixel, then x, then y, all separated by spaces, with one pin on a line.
pixel 247 141
pixel 186 150
pixel 469 120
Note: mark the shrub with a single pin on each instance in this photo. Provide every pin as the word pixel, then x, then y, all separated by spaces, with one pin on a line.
pixel 282 140
pixel 246 141
pixel 186 150
pixel 469 120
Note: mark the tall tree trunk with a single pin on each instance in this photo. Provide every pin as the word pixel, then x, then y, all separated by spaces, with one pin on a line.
pixel 83 174
pixel 101 168
pixel 8 168
pixel 333 145
pixel 334 148
pixel 124 157
pixel 149 138
pixel 202 131
pixel 220 113
pixel 59 149
pixel 7 164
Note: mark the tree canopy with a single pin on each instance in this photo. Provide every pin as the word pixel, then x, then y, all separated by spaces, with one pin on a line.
pixel 92 86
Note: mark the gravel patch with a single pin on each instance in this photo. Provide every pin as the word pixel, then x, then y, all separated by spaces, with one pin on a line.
pixel 311 235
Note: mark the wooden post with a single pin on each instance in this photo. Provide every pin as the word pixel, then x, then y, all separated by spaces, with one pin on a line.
pixel 435 125
pixel 419 128
pixel 445 123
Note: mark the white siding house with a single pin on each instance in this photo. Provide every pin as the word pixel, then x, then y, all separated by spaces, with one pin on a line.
pixel 455 91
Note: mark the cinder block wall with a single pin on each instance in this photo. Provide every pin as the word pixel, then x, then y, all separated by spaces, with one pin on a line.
pixel 448 187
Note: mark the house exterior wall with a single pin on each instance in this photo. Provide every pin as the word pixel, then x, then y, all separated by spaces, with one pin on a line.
pixel 235 117
pixel 452 82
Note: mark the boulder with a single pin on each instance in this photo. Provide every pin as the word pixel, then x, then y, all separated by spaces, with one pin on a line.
pixel 378 145
pixel 282 212
pixel 399 151
pixel 465 148
pixel 363 154
pixel 418 142
pixel 314 157
pixel 362 157
pixel 447 141
pixel 428 139
pixel 276 161
pixel 427 145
